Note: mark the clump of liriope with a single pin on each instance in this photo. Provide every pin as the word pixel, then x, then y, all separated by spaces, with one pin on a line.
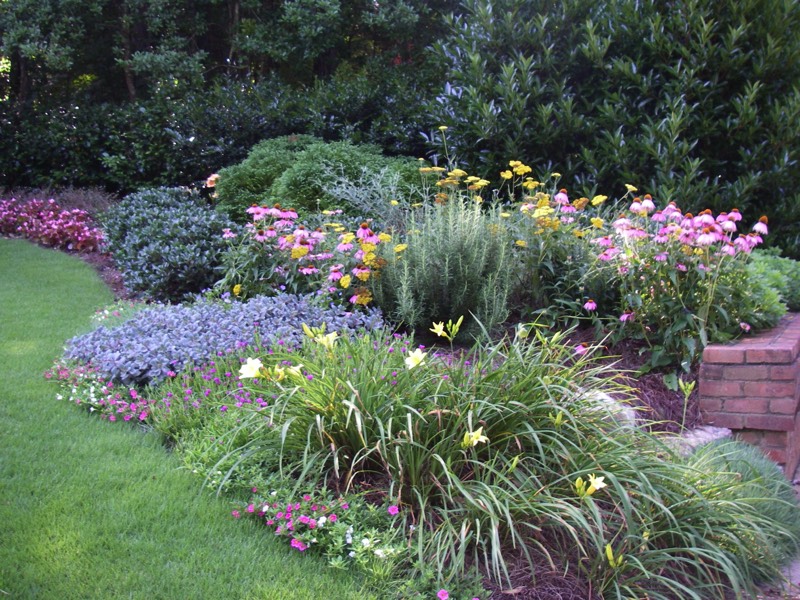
pixel 456 260
pixel 512 449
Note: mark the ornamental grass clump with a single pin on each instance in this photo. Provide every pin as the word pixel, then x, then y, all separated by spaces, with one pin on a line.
pixel 512 449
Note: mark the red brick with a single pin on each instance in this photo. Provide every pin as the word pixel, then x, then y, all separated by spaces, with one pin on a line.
pixel 783 372
pixel 746 405
pixel 713 371
pixel 720 389
pixel 723 419
pixel 774 354
pixel 768 422
pixel 710 404
pixel 776 439
pixel 751 437
pixel 778 455
pixel 746 372
pixel 784 406
pixel 771 389
pixel 715 353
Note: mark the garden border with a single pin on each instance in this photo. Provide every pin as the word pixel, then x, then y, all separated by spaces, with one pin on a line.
pixel 752 386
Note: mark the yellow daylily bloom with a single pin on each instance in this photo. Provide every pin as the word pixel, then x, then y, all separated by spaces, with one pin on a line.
pixel 438 329
pixel 415 358
pixel 328 340
pixel 251 368
pixel 473 438
pixel 595 483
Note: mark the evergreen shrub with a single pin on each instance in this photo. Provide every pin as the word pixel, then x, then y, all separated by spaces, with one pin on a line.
pixel 696 101
pixel 166 242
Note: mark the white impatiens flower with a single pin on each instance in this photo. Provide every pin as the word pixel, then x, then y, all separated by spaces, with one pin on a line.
pixel 251 368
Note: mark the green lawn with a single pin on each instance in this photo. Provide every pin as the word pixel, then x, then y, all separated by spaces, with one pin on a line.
pixel 90 509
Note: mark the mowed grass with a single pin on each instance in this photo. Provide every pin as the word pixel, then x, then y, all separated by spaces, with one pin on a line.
pixel 90 509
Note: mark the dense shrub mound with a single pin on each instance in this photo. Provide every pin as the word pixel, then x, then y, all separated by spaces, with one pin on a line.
pixel 162 339
pixel 167 242
pixel 297 170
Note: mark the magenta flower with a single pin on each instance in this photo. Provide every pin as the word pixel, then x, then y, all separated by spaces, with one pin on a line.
pixel 626 316
pixel 761 226
pixel 443 595
pixel 580 349
pixel 235 514
pixel 590 305
pixel 299 545
pixel 745 326
pixel 393 510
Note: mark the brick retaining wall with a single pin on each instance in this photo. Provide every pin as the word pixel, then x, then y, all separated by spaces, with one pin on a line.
pixel 752 386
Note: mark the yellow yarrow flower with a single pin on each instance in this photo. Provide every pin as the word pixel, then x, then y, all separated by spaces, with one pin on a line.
pixel 457 173
pixel 597 222
pixel 299 251
pixel 442 127
pixel 393 202
pixel 598 200
pixel 384 237
pixel 400 247
pixel 237 289
pixel 344 282
pixel 506 174
pixel 521 243
pixel 630 188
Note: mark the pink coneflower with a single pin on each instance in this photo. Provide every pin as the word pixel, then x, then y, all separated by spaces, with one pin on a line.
pixel 626 316
pixel 681 267
pixel 261 235
pixel 735 215
pixel 621 223
pixel 590 305
pixel 728 226
pixel 659 217
pixel 636 206
pixel 604 241
pixel 561 197
pixel 336 273
pixel 704 219
pixel 728 249
pixel 706 238
pixel 647 204
pixel 364 231
pixel 568 208
pixel 227 234
pixel 309 270
pixel 661 257
pixel 258 212
pixel 608 254
pixel 761 226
